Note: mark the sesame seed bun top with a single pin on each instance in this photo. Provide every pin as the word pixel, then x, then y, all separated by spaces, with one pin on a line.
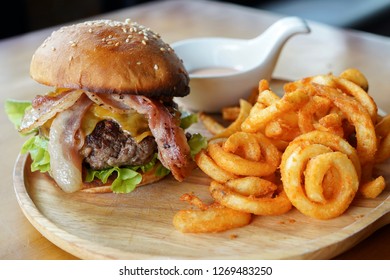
pixel 107 56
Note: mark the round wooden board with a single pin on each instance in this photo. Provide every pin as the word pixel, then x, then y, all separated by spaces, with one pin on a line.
pixel 139 225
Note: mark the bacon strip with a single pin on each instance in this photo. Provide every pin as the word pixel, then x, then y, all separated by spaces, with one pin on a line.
pixel 45 107
pixel 174 152
pixel 64 145
pixel 108 103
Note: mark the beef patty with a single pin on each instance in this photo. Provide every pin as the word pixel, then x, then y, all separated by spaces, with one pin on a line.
pixel 109 146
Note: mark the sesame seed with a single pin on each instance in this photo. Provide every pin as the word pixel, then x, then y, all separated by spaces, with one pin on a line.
pixel 143 42
pixel 155 67
pixel 127 40
pixel 53 49
pixel 139 63
pixel 103 39
pixel 109 36
pixel 116 44
pixel 90 30
pixel 162 49
pixel 109 43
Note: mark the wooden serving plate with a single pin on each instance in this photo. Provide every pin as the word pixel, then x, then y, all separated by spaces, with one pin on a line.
pixel 139 225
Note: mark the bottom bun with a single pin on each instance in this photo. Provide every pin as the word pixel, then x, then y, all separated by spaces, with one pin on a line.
pixel 147 178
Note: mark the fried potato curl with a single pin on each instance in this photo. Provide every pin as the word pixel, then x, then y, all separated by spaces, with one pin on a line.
pixel 320 177
pixel 245 162
pixel 208 218
pixel 314 148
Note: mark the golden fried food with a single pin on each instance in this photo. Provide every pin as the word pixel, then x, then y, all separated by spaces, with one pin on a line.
pixel 373 188
pixel 323 134
pixel 260 117
pixel 208 166
pixel 355 76
pixel 265 206
pixel 245 108
pixel 304 167
pixel 343 85
pixel 358 117
pixel 210 123
pixel 208 218
pixel 254 186
pixel 230 113
pixel 237 163
pixel 330 140
pixel 382 130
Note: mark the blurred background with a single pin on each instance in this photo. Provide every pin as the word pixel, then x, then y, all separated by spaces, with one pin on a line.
pixel 21 16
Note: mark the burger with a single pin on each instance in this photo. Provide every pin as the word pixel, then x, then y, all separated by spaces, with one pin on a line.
pixel 110 122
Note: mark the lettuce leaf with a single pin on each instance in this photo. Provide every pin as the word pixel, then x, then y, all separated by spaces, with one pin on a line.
pixel 162 171
pixel 15 110
pixel 127 178
pixel 187 119
pixel 125 181
pixel 37 147
pixel 146 167
pixel 197 143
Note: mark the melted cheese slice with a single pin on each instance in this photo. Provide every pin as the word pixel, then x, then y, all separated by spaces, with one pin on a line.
pixel 133 123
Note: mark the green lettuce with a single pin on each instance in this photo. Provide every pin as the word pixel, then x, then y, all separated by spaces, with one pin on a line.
pixel 187 119
pixel 162 171
pixel 15 110
pixel 37 147
pixel 197 143
pixel 126 178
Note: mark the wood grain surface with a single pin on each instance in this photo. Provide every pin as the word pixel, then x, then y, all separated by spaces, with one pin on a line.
pixel 138 225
